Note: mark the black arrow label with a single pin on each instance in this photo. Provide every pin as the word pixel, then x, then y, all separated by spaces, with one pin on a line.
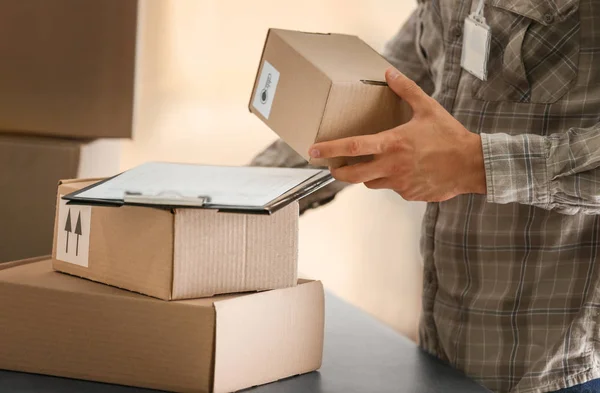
pixel 68 229
pixel 78 232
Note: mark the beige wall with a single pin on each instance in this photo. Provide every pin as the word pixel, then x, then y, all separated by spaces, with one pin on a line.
pixel 197 61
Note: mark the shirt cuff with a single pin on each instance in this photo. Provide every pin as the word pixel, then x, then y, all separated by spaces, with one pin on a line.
pixel 516 168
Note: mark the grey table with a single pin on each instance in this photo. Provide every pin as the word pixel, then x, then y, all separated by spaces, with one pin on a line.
pixel 361 356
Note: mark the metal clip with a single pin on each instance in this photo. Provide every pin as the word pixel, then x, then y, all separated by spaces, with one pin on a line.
pixel 167 198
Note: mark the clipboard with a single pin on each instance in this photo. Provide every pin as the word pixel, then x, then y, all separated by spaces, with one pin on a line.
pixel 252 190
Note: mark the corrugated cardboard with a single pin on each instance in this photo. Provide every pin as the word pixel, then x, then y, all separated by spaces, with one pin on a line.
pixel 182 253
pixel 30 169
pixel 55 324
pixel 68 67
pixel 329 86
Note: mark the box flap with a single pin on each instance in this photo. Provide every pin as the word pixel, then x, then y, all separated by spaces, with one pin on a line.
pixel 268 336
pixel 343 58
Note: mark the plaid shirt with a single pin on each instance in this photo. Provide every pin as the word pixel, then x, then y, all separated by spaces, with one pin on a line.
pixel 512 279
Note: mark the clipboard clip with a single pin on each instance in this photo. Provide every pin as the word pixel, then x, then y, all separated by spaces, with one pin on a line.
pixel 164 198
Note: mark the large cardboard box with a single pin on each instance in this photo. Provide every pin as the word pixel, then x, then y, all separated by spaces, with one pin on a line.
pixel 55 324
pixel 68 67
pixel 175 253
pixel 30 169
pixel 314 87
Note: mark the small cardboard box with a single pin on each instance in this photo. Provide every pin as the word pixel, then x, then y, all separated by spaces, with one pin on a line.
pixel 68 67
pixel 318 87
pixel 175 253
pixel 55 324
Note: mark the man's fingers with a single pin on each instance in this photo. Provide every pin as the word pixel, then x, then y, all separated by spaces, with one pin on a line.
pixel 359 173
pixel 378 184
pixel 405 88
pixel 350 147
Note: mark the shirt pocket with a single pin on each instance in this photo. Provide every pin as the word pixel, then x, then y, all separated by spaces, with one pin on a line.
pixel 534 52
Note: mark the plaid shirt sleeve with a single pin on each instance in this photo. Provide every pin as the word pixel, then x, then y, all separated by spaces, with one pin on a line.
pixel 559 172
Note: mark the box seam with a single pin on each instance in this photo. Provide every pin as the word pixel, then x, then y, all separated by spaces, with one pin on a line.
pixel 211 383
pixel 305 59
pixel 75 181
pixel 172 289
pixel 324 113
pixel 21 262
pixel 245 275
pixel 139 297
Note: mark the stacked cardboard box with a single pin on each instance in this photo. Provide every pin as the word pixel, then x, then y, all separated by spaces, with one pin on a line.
pixel 66 78
pixel 56 324
pixel 210 301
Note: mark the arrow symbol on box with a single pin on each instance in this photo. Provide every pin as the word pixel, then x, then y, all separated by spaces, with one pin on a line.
pixel 68 229
pixel 77 232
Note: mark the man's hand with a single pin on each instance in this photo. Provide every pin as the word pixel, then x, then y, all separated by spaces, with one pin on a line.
pixel 431 158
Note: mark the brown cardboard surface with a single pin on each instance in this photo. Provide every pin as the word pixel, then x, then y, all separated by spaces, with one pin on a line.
pixel 341 57
pixel 324 90
pixel 30 169
pixel 68 67
pixel 57 324
pixel 272 318
pixel 186 253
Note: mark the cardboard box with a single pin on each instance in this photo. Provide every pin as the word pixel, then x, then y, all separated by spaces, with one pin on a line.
pixel 178 253
pixel 318 87
pixel 55 324
pixel 68 67
pixel 30 169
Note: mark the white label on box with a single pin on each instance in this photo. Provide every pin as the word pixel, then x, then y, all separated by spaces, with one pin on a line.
pixel 265 90
pixel 73 239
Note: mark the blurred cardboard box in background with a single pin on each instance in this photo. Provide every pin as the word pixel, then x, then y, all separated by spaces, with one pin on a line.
pixel 175 253
pixel 96 332
pixel 30 169
pixel 68 67
pixel 66 78
pixel 313 87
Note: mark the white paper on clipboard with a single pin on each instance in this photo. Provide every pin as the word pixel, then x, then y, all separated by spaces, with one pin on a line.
pixel 221 185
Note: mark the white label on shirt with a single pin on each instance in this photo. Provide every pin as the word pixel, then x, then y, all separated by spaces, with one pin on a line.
pixel 476 47
pixel 73 238
pixel 265 90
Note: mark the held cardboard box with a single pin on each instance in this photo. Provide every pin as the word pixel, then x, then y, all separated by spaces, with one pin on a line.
pixel 56 324
pixel 176 253
pixel 318 87
pixel 68 67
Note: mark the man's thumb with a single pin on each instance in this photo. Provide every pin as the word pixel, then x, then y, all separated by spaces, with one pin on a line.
pixel 405 88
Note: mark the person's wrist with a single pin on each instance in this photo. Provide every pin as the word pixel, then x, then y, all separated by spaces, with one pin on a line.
pixel 474 174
